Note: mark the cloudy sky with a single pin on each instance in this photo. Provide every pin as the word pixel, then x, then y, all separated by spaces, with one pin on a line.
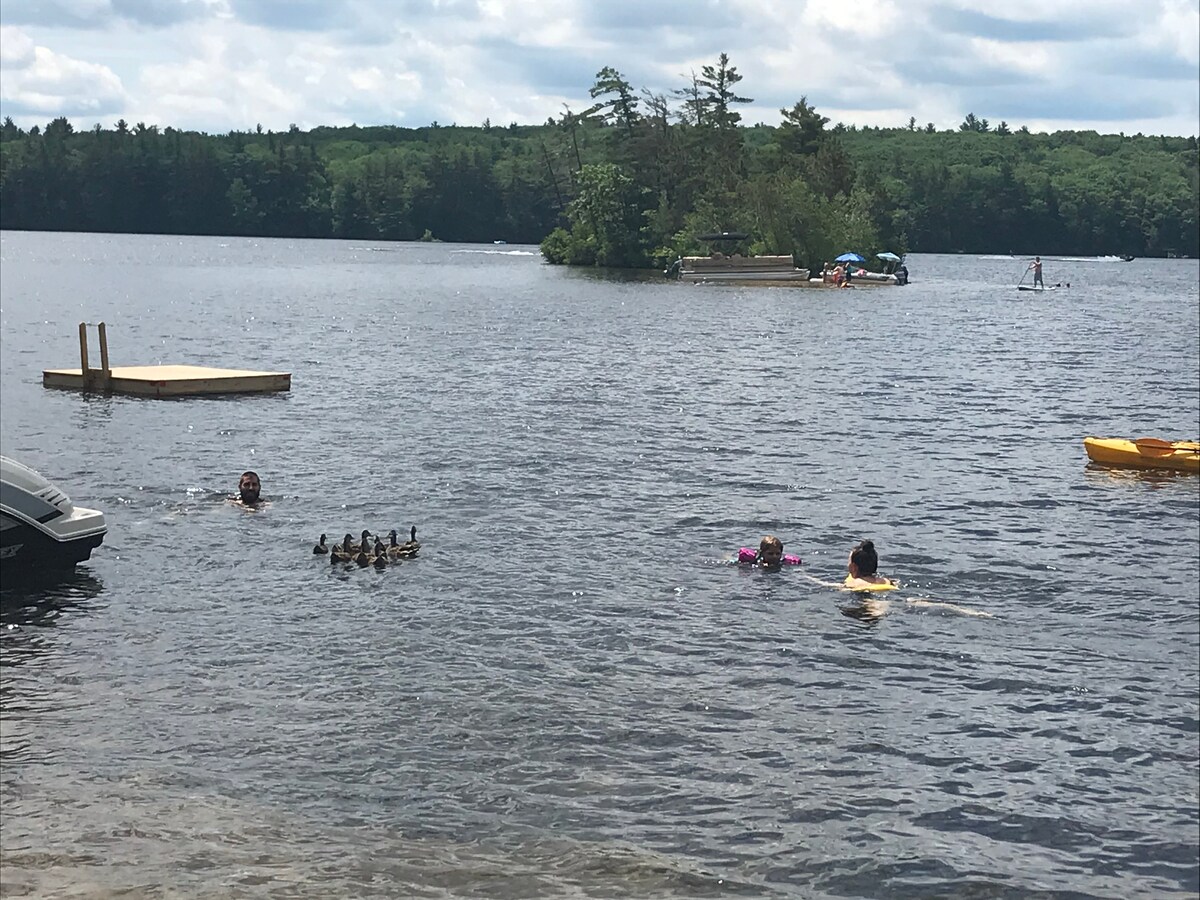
pixel 218 65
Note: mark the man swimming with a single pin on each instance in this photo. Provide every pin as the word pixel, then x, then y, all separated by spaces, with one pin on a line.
pixel 249 490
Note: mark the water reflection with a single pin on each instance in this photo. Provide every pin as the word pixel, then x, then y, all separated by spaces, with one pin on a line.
pixel 93 407
pixel 1096 473
pixel 39 602
pixel 29 612
pixel 868 610
pixel 637 276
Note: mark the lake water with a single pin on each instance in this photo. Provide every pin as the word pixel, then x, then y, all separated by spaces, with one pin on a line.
pixel 572 693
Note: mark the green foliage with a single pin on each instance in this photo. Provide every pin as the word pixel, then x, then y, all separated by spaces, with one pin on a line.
pixel 970 123
pixel 720 81
pixel 606 222
pixel 562 247
pixel 622 107
pixel 623 183
pixel 803 129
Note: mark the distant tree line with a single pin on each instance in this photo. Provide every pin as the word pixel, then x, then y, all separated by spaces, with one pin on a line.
pixel 630 181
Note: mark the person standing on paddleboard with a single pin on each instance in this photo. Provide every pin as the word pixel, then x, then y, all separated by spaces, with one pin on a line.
pixel 1036 265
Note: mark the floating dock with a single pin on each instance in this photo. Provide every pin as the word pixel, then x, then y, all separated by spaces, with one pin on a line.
pixel 159 381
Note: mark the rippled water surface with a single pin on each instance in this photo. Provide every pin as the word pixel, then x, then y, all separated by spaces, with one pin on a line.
pixel 572 692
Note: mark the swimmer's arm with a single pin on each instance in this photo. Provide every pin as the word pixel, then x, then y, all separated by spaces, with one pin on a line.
pixel 962 610
pixel 828 584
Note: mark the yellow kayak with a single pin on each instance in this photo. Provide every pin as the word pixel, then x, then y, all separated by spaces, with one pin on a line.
pixel 1144 453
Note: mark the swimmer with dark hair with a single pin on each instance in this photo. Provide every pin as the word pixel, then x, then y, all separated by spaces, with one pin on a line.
pixel 249 495
pixel 863 578
pixel 863 567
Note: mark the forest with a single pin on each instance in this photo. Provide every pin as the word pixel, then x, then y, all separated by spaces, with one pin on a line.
pixel 632 180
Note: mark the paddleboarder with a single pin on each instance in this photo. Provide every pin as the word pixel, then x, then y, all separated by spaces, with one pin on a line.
pixel 1036 265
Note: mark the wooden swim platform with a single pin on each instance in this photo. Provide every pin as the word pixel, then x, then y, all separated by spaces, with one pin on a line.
pixel 159 381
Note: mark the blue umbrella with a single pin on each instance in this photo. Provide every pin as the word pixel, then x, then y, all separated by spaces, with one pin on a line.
pixel 851 257
pixel 890 257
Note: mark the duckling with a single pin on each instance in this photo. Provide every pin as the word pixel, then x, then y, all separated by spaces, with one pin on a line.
pixel 363 557
pixel 320 547
pixel 381 559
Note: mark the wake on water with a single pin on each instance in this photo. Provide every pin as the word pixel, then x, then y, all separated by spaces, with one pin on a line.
pixel 500 252
pixel 491 252
pixel 1086 259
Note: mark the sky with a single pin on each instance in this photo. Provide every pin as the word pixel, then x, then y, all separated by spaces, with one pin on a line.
pixel 220 65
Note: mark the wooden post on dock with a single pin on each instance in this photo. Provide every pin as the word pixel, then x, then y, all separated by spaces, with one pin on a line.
pixel 83 360
pixel 94 378
pixel 106 377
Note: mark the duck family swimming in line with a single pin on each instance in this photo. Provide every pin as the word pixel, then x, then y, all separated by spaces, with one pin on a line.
pixel 367 552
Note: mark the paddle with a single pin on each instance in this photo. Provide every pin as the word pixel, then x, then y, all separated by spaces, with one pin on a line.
pixel 1023 274
pixel 1159 447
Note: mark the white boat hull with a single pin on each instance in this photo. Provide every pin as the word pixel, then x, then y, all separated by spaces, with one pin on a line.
pixel 40 528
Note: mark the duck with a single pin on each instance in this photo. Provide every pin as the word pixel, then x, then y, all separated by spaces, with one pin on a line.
pixel 364 544
pixel 340 554
pixel 320 547
pixel 381 558
pixel 412 545
pixel 407 549
pixel 393 549
pixel 363 557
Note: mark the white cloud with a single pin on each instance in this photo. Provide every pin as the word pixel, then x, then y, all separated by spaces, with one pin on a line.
pixel 863 19
pixel 1027 59
pixel 214 86
pixel 16 48
pixel 221 64
pixel 1179 30
pixel 40 83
